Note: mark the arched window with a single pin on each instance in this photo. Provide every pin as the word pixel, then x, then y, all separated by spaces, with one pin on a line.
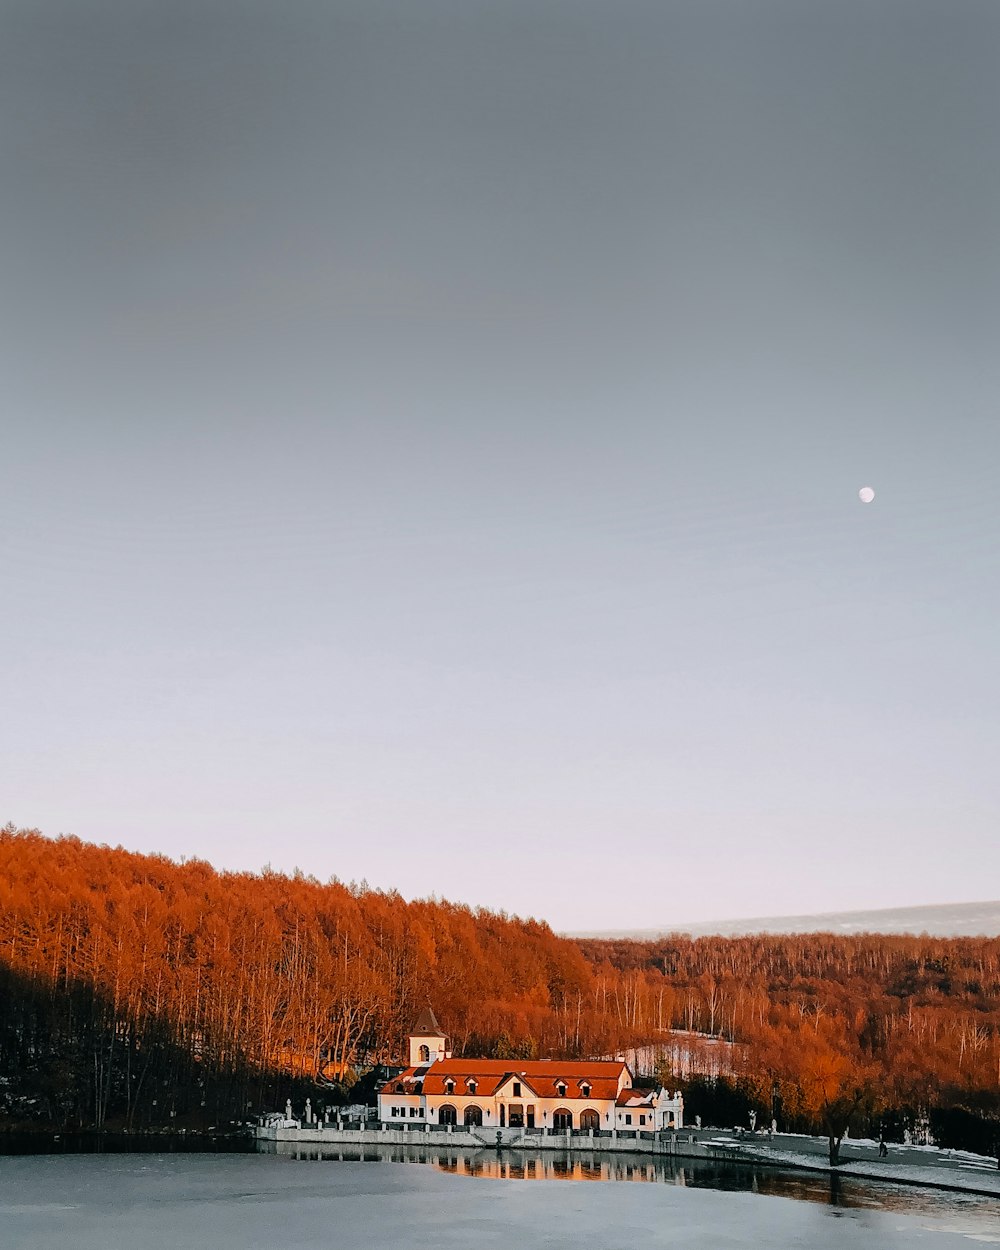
pixel 562 1120
pixel 447 1115
pixel 473 1114
pixel 590 1119
pixel 424 1054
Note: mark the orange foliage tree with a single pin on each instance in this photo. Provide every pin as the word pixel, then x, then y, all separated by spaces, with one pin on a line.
pixel 150 977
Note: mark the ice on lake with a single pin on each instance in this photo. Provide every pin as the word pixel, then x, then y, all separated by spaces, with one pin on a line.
pixel 242 1202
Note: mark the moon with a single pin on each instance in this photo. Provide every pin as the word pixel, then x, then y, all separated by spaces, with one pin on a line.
pixel 866 494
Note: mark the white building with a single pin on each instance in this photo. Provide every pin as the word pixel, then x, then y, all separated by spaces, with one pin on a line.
pixel 552 1094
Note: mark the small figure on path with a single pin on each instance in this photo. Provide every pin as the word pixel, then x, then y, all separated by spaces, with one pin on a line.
pixel 883 1149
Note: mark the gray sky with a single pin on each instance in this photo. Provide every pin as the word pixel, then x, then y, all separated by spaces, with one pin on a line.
pixel 432 432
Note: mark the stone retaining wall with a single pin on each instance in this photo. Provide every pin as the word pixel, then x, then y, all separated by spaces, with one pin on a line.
pixel 681 1144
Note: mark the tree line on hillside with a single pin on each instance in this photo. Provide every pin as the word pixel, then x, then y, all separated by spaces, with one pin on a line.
pixel 889 1031
pixel 142 975
pixel 135 987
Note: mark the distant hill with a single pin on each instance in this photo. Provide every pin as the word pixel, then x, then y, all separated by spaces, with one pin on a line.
pixel 943 920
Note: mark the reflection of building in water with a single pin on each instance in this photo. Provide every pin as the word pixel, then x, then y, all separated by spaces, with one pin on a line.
pixel 503 1165
pixel 554 1095
pixel 517 1167
pixel 595 1164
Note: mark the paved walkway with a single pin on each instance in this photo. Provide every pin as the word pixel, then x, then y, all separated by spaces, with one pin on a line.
pixel 915 1165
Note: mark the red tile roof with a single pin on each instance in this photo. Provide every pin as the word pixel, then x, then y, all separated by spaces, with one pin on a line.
pixel 540 1077
pixel 635 1098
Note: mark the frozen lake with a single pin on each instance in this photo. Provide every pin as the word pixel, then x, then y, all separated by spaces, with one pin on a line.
pixel 246 1201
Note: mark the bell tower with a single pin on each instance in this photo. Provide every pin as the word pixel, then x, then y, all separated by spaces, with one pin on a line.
pixel 427 1042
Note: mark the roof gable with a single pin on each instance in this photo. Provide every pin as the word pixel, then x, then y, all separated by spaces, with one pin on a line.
pixel 520 1077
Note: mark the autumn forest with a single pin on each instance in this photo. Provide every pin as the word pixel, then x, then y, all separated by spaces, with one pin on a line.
pixel 137 993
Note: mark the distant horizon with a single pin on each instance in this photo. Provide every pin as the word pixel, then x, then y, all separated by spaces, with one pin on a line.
pixel 955 919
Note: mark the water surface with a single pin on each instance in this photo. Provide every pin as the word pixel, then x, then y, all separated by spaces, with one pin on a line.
pixel 437 1199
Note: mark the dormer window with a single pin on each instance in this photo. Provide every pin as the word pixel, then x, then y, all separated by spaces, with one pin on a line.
pixel 473 1085
pixel 561 1088
pixel 449 1087
pixel 585 1089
